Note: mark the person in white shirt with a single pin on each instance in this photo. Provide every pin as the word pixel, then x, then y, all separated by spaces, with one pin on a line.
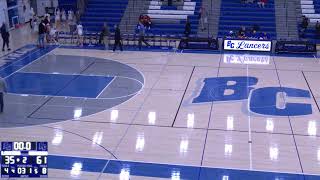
pixel 63 17
pixel 80 34
pixel 57 18
pixel 35 22
pixel 53 35
pixel 31 14
pixel 70 16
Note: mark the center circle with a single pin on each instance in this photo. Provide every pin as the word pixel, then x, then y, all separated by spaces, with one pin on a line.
pixel 57 88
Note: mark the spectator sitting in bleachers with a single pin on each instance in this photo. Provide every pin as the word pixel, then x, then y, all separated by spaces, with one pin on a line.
pixel 247 33
pixel 264 36
pixel 255 27
pixel 262 3
pixel 242 30
pixel 317 30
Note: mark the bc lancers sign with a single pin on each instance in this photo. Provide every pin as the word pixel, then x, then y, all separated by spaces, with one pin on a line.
pixel 263 101
pixel 247 45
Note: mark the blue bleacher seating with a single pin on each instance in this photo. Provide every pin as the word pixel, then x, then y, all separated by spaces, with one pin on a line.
pixel 68 4
pixel 234 15
pixel 169 27
pixel 100 11
pixel 310 33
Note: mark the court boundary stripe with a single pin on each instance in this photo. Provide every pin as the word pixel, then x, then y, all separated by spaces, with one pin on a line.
pixel 182 98
pixel 115 170
pixel 208 125
pixel 46 52
pixel 314 98
pixel 291 127
pixel 159 126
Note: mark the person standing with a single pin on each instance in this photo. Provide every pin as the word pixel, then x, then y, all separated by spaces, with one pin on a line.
pixel 35 22
pixel 142 31
pixel 117 38
pixel 3 89
pixel 57 18
pixel 104 36
pixel 317 27
pixel 80 34
pixel 5 36
pixel 63 18
pixel 187 31
pixel 187 28
pixel 78 15
pixel 31 14
pixel 42 32
pixel 203 18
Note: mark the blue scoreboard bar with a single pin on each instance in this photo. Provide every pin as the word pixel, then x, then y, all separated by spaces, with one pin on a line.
pixel 24 159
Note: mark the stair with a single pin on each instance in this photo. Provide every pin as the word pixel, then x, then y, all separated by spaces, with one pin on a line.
pixel 286 19
pixel 310 33
pixel 213 9
pixel 131 15
pixel 171 20
pixel 100 11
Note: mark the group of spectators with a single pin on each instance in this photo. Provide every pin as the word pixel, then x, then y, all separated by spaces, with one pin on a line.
pixel 249 33
pixel 48 31
pixel 105 34
pixel 304 26
pixel 260 3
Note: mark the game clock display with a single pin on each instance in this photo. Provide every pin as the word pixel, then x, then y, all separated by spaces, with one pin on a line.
pixel 24 159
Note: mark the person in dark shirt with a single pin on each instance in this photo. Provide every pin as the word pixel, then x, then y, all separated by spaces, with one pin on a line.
pixel 3 89
pixel 46 20
pixel 187 28
pixel 317 30
pixel 117 38
pixel 42 32
pixel 104 36
pixel 5 36
pixel 304 25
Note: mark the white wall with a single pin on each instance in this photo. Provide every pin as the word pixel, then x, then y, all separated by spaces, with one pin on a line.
pixel 3 11
pixel 24 15
pixel 42 4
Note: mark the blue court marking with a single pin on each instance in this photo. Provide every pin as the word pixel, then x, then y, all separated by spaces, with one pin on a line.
pixel 16 64
pixel 18 51
pixel 57 84
pixel 168 170
pixel 86 86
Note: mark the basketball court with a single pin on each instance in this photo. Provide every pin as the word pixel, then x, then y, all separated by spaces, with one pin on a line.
pixel 165 115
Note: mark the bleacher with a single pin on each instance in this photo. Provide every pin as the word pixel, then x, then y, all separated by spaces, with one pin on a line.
pixel 100 11
pixel 311 9
pixel 68 4
pixel 170 20
pixel 234 15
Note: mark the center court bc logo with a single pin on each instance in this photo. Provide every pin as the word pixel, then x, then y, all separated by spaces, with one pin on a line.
pixel 262 101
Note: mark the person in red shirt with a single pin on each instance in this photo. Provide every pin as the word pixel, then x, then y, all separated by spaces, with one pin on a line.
pixel 262 3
